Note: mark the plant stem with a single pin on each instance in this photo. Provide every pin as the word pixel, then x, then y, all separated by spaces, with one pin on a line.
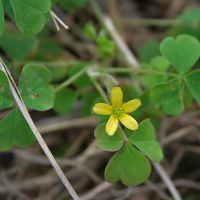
pixel 156 22
pixel 101 91
pixel 139 71
pixel 71 79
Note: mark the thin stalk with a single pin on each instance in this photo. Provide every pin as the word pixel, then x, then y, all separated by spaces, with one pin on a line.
pixel 100 90
pixel 156 22
pixel 71 79
pixel 139 71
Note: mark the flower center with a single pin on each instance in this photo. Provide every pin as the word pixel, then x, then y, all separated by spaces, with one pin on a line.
pixel 117 111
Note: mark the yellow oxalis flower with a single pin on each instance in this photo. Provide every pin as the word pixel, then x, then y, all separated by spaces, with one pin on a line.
pixel 118 111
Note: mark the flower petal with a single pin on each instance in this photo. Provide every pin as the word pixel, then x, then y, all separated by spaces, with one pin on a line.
pixel 131 106
pixel 129 122
pixel 112 125
pixel 102 109
pixel 116 96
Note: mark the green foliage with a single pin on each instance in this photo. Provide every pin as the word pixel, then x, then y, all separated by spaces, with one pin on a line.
pixel 144 138
pixel 2 22
pixel 88 102
pixel 35 89
pixel 5 96
pixel 37 94
pixel 106 142
pixel 169 96
pixel 64 101
pixel 29 15
pixel 106 47
pixel 72 4
pixel 128 165
pixel 90 31
pixel 11 41
pixel 190 23
pixel 192 80
pixel 157 64
pixel 182 53
pixel 14 131
pixel 84 80
pixel 149 50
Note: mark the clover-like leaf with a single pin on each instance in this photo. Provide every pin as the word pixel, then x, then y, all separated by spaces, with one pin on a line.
pixel 169 95
pixel 30 14
pixel 5 95
pixel 192 81
pixel 159 64
pixel 144 138
pixel 2 22
pixel 35 88
pixel 11 41
pixel 128 165
pixel 183 52
pixel 14 131
pixel 106 142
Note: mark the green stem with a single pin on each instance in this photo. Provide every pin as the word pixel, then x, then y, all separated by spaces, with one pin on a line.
pixel 139 71
pixel 157 22
pixel 100 90
pixel 123 134
pixel 71 79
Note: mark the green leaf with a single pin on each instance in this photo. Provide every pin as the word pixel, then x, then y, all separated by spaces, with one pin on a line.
pixel 2 22
pixel 5 95
pixel 183 52
pixel 35 89
pixel 169 95
pixel 128 165
pixel 14 130
pixel 16 45
pixel 90 31
pixel 30 14
pixel 144 138
pixel 64 101
pixel 192 81
pixel 158 64
pixel 72 4
pixel 106 142
pixel 106 47
pixel 149 50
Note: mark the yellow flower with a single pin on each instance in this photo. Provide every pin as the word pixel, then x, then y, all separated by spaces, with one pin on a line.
pixel 118 111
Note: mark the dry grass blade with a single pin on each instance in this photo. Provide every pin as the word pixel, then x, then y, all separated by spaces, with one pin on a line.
pixel 25 113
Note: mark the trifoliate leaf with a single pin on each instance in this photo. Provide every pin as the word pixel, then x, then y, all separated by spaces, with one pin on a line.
pixel 35 88
pixel 2 22
pixel 14 131
pixel 192 81
pixel 30 14
pixel 11 41
pixel 183 52
pixel 128 165
pixel 106 142
pixel 5 95
pixel 144 138
pixel 169 95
